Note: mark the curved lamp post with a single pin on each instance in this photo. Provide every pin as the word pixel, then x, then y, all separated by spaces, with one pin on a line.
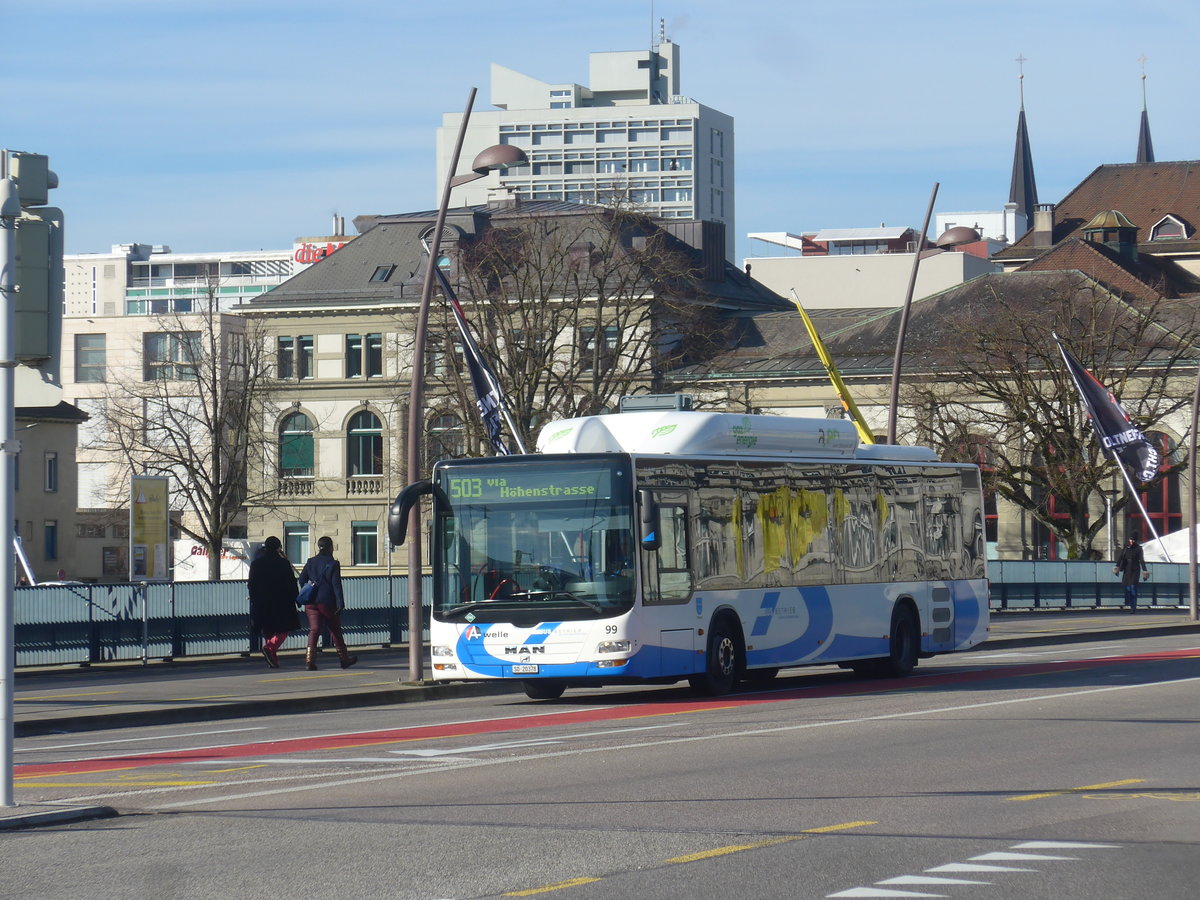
pixel 953 237
pixel 493 158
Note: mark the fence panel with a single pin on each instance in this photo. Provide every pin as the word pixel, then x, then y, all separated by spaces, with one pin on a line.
pixel 77 624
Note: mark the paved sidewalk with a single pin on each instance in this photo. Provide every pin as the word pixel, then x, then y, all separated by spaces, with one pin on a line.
pixel 63 700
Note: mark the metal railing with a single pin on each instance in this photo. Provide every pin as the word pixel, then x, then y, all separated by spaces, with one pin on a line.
pixel 91 623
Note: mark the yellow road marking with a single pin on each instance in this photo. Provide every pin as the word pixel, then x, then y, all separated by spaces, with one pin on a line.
pixel 738 848
pixel 238 769
pixel 828 828
pixel 20 699
pixel 734 848
pixel 1087 787
pixel 545 889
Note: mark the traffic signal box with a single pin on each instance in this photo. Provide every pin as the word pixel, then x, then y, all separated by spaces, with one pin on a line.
pixel 39 274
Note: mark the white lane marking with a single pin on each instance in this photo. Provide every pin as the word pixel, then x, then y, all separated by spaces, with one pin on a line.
pixel 163 737
pixel 880 892
pixel 967 867
pixel 1016 857
pixel 533 742
pixel 928 879
pixel 627 747
pixel 1064 845
pixel 313 737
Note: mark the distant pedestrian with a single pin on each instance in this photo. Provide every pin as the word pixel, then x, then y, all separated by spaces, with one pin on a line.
pixel 273 590
pixel 1129 564
pixel 325 604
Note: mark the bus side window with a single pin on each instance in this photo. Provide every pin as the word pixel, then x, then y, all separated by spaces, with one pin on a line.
pixel 674 571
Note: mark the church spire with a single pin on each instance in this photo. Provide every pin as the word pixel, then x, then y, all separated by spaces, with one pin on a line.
pixel 1023 190
pixel 1145 151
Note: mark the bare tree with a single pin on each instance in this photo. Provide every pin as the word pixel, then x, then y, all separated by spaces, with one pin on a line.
pixel 574 311
pixel 192 411
pixel 1005 398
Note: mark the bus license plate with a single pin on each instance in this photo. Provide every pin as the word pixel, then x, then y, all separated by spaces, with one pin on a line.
pixel 524 669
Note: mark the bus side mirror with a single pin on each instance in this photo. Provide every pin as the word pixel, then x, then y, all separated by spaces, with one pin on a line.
pixel 402 506
pixel 648 521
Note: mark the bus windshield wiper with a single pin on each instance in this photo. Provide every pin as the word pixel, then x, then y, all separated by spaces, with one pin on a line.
pixel 554 594
pixel 466 607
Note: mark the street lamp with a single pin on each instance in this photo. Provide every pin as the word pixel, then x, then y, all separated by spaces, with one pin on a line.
pixel 493 158
pixel 953 237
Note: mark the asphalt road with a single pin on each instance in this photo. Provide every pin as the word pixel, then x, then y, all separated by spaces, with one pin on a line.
pixel 1017 771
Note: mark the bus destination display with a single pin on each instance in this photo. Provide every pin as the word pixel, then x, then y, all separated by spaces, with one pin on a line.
pixel 534 484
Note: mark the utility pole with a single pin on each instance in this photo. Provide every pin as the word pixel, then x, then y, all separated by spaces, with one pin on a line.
pixel 31 248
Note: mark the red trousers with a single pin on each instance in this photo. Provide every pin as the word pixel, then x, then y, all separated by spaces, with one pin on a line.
pixel 331 617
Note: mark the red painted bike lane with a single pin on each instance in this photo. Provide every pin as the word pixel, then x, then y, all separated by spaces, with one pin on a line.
pixel 575 717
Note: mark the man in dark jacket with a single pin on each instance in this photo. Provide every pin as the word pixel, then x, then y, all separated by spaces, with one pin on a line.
pixel 1131 563
pixel 272 588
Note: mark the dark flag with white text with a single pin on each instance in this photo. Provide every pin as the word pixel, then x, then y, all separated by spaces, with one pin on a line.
pixel 1116 432
pixel 489 396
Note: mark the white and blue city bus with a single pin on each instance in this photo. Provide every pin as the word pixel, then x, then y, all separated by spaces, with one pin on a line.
pixel 651 547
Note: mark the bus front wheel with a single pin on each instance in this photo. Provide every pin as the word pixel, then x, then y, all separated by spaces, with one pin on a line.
pixel 722 662
pixel 543 690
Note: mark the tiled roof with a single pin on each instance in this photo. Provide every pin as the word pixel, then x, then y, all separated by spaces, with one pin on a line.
pixel 1145 192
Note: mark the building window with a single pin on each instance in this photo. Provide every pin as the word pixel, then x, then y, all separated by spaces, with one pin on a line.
pixel 295 541
pixel 364 355
pixel 51 484
pixel 90 357
pixel 382 273
pixel 446 437
pixel 89 531
pixel 718 142
pixel 364 445
pixel 296 447
pixel 305 356
pixel 170 356
pixel 285 358
pixel 50 544
pixel 364 543
pixel 608 336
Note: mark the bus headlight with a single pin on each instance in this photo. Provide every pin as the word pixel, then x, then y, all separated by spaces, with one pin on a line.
pixel 441 650
pixel 610 663
pixel 613 647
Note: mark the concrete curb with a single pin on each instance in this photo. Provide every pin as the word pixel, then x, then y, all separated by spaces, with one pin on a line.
pixel 174 715
pixel 35 815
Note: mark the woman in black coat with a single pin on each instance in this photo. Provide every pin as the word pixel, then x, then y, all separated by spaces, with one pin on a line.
pixel 273 591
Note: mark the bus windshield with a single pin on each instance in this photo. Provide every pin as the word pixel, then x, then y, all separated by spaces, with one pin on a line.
pixel 552 536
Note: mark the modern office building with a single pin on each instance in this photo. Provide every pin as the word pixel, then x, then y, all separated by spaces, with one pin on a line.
pixel 628 136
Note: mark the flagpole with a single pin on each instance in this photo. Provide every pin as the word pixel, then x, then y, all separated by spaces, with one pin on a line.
pixel 1137 498
pixel 471 346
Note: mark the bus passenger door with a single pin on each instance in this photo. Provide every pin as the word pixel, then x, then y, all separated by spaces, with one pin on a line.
pixel 667 584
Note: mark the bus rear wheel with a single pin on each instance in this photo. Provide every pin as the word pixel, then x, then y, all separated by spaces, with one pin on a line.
pixel 543 690
pixel 722 663
pixel 904 645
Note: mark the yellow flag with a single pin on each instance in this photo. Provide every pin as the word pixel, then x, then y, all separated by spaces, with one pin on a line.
pixel 860 424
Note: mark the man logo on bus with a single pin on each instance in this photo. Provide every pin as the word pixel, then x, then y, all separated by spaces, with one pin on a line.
pixel 473 633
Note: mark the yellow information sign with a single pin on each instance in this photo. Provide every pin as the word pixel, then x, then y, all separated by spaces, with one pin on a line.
pixel 149 528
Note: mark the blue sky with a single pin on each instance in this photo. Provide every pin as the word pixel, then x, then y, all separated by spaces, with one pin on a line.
pixel 241 125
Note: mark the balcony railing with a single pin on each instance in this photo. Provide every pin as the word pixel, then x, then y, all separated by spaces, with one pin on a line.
pixel 364 485
pixel 292 486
